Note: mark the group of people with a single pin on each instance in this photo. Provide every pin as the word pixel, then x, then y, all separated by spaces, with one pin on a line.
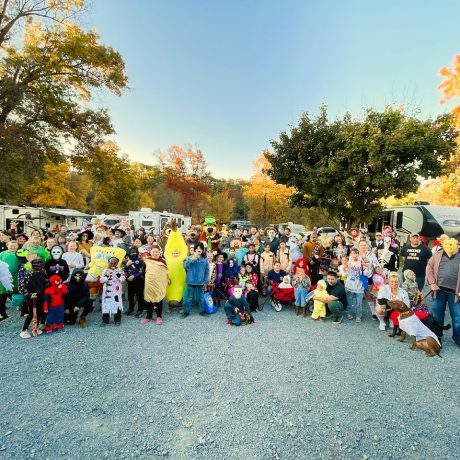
pixel 331 275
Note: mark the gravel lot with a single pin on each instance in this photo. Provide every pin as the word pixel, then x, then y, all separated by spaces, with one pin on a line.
pixel 283 388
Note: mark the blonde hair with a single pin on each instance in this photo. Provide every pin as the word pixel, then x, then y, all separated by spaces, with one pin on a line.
pixel 393 275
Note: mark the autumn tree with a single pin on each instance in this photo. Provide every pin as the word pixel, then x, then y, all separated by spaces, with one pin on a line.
pixel 113 181
pixel 347 166
pixel 266 199
pixel 48 74
pixel 186 173
pixel 221 206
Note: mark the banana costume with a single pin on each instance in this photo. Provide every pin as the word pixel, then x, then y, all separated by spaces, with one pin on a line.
pixel 175 253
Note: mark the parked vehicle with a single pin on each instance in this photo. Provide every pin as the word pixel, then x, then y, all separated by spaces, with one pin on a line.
pixel 28 218
pixel 295 228
pixel 330 231
pixel 154 221
pixel 427 220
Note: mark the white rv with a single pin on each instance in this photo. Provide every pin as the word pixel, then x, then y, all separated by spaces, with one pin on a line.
pixel 154 221
pixel 28 218
pixel 429 221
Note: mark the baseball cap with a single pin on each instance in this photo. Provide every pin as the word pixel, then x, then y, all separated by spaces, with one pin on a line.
pixel 415 234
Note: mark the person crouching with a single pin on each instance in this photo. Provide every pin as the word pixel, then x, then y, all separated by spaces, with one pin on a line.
pixel 53 305
pixel 77 299
pixel 237 309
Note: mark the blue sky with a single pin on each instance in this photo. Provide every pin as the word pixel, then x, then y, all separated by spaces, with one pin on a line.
pixel 228 76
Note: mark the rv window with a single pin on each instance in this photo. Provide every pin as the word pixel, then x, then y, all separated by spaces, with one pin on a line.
pixel 371 227
pixel 15 211
pixel 399 219
pixel 147 223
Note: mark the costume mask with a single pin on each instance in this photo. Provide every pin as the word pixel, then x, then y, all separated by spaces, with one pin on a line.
pixel 113 262
pixel 237 292
pixel 387 240
pixel 133 253
pixel 450 246
pixel 78 277
pixel 37 264
pixel 55 280
pixel 56 252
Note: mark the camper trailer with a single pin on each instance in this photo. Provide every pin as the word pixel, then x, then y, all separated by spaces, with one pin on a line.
pixel 429 221
pixel 154 221
pixel 28 218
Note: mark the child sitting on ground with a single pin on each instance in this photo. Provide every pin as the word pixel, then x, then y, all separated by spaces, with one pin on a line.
pixel 237 309
pixel 319 307
pixel 302 284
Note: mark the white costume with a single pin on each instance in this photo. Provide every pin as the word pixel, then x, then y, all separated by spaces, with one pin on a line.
pixel 413 326
pixel 112 292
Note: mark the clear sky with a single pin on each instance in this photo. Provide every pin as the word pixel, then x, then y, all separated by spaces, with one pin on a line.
pixel 228 76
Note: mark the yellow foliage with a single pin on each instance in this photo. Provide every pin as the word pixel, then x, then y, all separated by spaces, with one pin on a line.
pixel 221 206
pixel 267 200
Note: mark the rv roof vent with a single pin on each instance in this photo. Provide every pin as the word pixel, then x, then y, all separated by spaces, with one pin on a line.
pixel 426 203
pixel 146 209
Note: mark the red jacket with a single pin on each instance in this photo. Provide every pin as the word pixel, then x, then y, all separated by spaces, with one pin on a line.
pixel 54 297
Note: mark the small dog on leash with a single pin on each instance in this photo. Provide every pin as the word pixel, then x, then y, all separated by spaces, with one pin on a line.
pixel 421 336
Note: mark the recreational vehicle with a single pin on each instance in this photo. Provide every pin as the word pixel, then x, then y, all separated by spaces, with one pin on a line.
pixel 28 218
pixel 154 221
pixel 429 221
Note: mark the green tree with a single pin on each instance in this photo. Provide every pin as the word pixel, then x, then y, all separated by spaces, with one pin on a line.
pixel 347 166
pixel 46 80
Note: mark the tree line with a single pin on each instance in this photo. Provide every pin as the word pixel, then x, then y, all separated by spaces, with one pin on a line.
pixel 56 148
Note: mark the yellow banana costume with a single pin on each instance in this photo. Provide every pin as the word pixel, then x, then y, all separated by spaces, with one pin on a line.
pixel 175 253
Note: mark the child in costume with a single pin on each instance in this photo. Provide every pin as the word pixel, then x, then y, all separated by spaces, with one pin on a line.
pixel 267 261
pixel 134 267
pixel 219 278
pixel 343 269
pixel 77 299
pixel 410 285
pixel 56 265
pixel 252 297
pixel 197 268
pixel 156 282
pixel 302 284
pixel 378 280
pixel 35 293
pixel 112 304
pixel 252 276
pixel 237 309
pixel 6 284
pixel 53 305
pixel 243 278
pixel 319 302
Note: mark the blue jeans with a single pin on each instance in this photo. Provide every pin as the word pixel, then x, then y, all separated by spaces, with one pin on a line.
pixel 438 308
pixel 194 296
pixel 355 303
pixel 420 280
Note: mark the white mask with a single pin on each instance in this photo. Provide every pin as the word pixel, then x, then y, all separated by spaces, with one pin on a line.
pixel 237 292
pixel 56 252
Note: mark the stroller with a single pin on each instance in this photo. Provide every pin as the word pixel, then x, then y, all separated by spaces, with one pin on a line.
pixel 281 296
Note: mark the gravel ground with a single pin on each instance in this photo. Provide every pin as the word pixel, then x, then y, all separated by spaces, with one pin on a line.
pixel 283 388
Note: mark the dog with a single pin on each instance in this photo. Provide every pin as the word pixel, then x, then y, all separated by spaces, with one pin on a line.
pixel 421 336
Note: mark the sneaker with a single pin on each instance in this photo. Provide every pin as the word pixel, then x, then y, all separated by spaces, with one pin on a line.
pixel 25 335
pixel 358 320
pixel 185 314
pixel 138 313
pixel 145 321
pixel 159 321
pixel 374 318
pixel 382 326
pixel 39 332
pixel 60 331
pixel 229 322
pixel 350 317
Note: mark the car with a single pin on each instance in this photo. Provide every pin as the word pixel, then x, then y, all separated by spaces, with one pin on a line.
pixel 329 231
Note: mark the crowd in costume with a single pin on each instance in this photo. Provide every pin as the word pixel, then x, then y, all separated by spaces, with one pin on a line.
pixel 58 279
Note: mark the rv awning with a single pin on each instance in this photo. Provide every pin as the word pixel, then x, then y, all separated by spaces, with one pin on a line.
pixel 66 212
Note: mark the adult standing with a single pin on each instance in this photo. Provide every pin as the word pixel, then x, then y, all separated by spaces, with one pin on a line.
pixel 10 259
pixel 443 276
pixel 312 251
pixel 416 259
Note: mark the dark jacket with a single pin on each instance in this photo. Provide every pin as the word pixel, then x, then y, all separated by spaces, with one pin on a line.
pixel 78 291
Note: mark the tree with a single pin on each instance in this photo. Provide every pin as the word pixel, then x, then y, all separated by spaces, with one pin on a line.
pixel 185 173
pixel 51 190
pixel 221 206
pixel 266 199
pixel 46 80
pixel 347 166
pixel 114 183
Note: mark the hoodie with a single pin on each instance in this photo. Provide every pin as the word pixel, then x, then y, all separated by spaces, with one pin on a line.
pixel 57 265
pixel 78 291
pixel 137 266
